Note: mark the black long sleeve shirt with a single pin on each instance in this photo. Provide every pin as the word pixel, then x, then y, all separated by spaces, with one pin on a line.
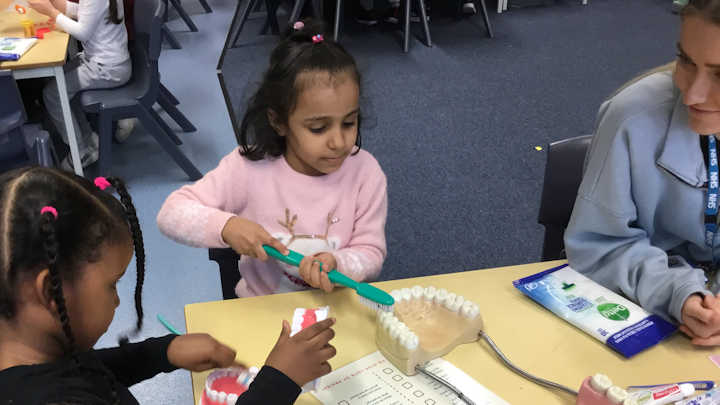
pixel 101 376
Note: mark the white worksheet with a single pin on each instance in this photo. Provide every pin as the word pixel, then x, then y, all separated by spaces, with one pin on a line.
pixel 373 380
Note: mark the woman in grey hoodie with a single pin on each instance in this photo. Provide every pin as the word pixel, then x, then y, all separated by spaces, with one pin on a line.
pixel 645 219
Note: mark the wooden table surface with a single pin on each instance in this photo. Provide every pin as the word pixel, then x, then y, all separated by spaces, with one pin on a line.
pixel 47 52
pixel 532 337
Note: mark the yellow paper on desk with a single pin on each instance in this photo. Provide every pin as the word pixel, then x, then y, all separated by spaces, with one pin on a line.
pixel 373 380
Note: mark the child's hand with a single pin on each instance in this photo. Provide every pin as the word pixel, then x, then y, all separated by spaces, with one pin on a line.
pixel 304 357
pixel 311 273
pixel 199 352
pixel 701 319
pixel 247 237
pixel 44 7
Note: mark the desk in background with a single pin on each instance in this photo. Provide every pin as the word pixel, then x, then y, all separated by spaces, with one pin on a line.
pixel 45 59
pixel 530 336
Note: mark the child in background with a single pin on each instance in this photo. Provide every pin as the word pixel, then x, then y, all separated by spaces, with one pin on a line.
pixel 64 244
pixel 299 179
pixel 103 63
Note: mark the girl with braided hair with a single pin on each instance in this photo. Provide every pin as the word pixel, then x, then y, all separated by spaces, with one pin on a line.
pixel 64 244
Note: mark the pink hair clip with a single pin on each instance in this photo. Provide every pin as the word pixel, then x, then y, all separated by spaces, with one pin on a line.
pixel 102 183
pixel 298 25
pixel 49 209
pixel 317 38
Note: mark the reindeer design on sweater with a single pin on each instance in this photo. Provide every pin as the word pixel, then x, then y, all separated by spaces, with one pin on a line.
pixel 306 244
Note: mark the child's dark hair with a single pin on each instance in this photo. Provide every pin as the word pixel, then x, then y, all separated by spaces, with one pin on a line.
pixel 113 9
pixel 32 239
pixel 297 53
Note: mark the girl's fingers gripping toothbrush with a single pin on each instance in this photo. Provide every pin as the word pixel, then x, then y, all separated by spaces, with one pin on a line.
pixel 372 297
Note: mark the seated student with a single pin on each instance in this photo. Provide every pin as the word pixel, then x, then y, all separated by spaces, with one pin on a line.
pixel 299 178
pixel 64 244
pixel 103 63
pixel 644 223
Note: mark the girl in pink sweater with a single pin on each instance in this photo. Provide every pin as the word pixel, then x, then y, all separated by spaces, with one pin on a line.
pixel 299 179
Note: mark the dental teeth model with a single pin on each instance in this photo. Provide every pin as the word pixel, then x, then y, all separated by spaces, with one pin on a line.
pixel 599 390
pixel 426 323
pixel 224 386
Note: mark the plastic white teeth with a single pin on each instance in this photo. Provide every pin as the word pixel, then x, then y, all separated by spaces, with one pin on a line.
pixel 600 382
pixel 242 376
pixel 417 291
pixel 441 296
pixel 429 293
pixel 399 331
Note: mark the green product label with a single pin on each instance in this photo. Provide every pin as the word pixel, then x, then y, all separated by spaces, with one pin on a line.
pixel 614 312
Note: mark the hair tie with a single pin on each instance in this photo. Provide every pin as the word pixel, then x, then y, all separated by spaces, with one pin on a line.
pixel 102 183
pixel 49 209
pixel 298 25
pixel 317 38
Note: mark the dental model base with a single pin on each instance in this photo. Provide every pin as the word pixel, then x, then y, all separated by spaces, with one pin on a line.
pixel 426 324
pixel 224 386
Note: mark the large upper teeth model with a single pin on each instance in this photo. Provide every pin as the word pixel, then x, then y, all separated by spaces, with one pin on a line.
pixel 426 323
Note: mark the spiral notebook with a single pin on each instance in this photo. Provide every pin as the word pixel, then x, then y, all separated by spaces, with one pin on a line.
pixel 14 48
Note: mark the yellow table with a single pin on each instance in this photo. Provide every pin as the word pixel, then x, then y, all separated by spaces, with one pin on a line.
pixel 532 337
pixel 45 59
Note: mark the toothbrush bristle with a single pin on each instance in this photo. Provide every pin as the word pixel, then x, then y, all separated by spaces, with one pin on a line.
pixel 374 305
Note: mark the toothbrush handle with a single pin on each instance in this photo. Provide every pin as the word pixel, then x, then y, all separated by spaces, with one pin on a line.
pixel 339 278
pixel 294 259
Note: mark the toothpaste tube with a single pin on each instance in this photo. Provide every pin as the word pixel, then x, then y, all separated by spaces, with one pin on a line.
pixel 607 316
pixel 711 397
pixel 660 395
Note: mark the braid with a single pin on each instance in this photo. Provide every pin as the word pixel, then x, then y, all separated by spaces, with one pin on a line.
pixel 50 243
pixel 137 236
pixel 113 9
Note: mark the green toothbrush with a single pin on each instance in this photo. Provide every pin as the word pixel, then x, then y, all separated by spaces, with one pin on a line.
pixel 372 297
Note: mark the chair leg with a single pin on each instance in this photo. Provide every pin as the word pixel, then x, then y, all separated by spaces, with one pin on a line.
pixel 170 38
pixel 486 17
pixel 150 121
pixel 206 6
pixel 166 128
pixel 406 33
pixel 244 14
pixel 105 139
pixel 338 16
pixel 176 115
pixel 295 14
pixel 168 95
pixel 184 15
pixel 426 27
pixel 271 21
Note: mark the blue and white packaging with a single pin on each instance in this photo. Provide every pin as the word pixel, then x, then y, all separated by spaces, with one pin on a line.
pixel 711 397
pixel 610 318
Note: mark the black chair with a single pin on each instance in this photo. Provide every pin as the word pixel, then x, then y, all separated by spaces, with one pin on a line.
pixel 483 10
pixel 137 97
pixel 227 261
pixel 563 174
pixel 242 14
pixel 407 5
pixel 20 145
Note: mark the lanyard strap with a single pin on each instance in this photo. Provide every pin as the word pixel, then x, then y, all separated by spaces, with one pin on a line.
pixel 711 205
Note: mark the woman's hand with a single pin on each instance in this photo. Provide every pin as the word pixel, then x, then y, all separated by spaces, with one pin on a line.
pixel 304 357
pixel 200 352
pixel 311 272
pixel 44 7
pixel 701 319
pixel 247 237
